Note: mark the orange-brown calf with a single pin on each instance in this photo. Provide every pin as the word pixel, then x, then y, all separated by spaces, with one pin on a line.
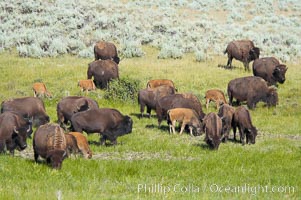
pixel 82 144
pixel 158 82
pixel 215 95
pixel 86 85
pixel 40 90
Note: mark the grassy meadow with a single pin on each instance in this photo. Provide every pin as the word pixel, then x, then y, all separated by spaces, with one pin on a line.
pixel 150 163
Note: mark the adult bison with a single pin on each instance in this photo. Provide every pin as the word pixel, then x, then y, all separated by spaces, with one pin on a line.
pixel 109 123
pixel 49 142
pixel 103 71
pixel 148 97
pixel 270 69
pixel 31 107
pixel 252 89
pixel 67 106
pixel 106 51
pixel 242 50
pixel 226 113
pixel 14 130
pixel 178 101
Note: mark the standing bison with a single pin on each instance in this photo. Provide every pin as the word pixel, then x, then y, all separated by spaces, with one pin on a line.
pixel 226 113
pixel 212 126
pixel 31 107
pixel 242 50
pixel 49 142
pixel 70 105
pixel 109 123
pixel 106 51
pixel 159 82
pixel 270 70
pixel 103 71
pixel 252 89
pixel 14 130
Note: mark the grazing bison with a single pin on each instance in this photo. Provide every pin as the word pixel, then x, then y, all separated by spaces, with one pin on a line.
pixel 215 95
pixel 158 82
pixel 212 126
pixel 270 70
pixel 226 113
pixel 242 120
pixel 251 89
pixel 148 97
pixel 31 107
pixel 70 105
pixel 49 142
pixel 242 50
pixel 40 90
pixel 106 51
pixel 82 144
pixel 14 130
pixel 177 101
pixel 109 123
pixel 71 145
pixel 184 116
pixel 86 85
pixel 103 71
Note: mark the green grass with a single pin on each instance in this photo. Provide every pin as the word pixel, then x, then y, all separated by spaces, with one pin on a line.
pixel 149 155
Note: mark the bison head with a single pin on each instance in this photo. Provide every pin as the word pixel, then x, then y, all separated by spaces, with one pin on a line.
pixel 213 142
pixel 254 53
pixel 251 135
pixel 19 137
pixel 55 158
pixel 272 97
pixel 279 73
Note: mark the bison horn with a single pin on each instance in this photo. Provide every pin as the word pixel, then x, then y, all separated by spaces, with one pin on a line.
pixel 15 129
pixel 28 130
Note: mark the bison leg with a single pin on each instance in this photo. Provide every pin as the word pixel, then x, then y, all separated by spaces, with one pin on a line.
pixel 36 156
pixel 207 103
pixel 142 110
pixel 2 147
pixel 190 130
pixel 103 140
pixel 148 110
pixel 234 131
pixel 246 65
pixel 173 126
pixel 229 63
pixel 242 135
pixel 182 128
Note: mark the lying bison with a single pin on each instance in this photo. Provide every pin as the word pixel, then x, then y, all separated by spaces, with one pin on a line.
pixel 212 126
pixel 242 50
pixel 103 72
pixel 148 97
pixel 14 130
pixel 49 142
pixel 270 70
pixel 31 107
pixel 67 106
pixel 252 89
pixel 242 120
pixel 109 123
pixel 106 51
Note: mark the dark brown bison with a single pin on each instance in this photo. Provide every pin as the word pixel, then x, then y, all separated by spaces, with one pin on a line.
pixel 177 101
pixel 270 70
pixel 109 123
pixel 103 71
pixel 226 113
pixel 106 51
pixel 242 120
pixel 14 130
pixel 49 142
pixel 252 89
pixel 70 105
pixel 158 82
pixel 148 97
pixel 31 107
pixel 212 126
pixel 242 50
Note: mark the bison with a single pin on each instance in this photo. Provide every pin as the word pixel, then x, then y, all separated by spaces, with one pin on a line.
pixel 242 50
pixel 40 90
pixel 86 85
pixel 70 105
pixel 71 145
pixel 14 130
pixel 148 97
pixel 184 116
pixel 103 72
pixel 212 126
pixel 252 89
pixel 31 107
pixel 159 82
pixel 226 113
pixel 106 51
pixel 82 144
pixel 270 70
pixel 177 101
pixel 215 95
pixel 109 123
pixel 242 120
pixel 49 142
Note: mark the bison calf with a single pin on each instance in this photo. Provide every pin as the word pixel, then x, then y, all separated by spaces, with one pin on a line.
pixel 242 120
pixel 40 90
pixel 82 144
pixel 86 85
pixel 159 82
pixel 212 126
pixel 184 116
pixel 226 113
pixel 215 95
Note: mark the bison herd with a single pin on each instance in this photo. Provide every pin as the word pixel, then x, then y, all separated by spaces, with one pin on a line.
pixel 77 114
